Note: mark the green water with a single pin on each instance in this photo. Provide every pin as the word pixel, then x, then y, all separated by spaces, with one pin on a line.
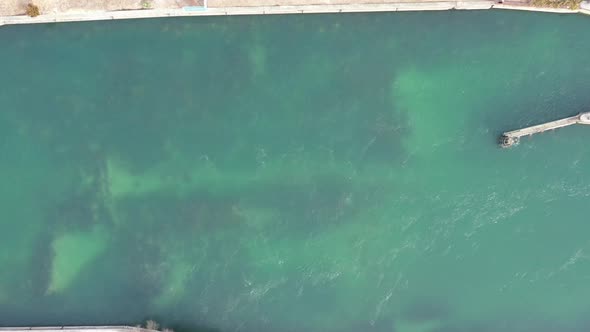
pixel 333 173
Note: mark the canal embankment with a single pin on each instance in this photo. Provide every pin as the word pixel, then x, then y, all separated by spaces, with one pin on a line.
pixel 223 8
pixel 121 328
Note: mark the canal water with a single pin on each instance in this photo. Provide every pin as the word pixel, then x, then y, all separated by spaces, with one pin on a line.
pixel 333 173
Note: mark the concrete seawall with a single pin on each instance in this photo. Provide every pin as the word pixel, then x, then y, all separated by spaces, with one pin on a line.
pixel 270 10
pixel 76 329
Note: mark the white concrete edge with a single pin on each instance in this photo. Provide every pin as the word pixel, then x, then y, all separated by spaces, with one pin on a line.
pixel 106 328
pixel 273 10
pixel 536 9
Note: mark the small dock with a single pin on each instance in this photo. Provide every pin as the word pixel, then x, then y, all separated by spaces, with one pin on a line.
pixel 511 138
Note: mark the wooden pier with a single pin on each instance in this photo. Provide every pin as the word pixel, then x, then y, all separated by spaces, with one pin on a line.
pixel 511 138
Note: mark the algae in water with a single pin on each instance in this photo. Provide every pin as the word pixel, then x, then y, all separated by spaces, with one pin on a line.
pixel 73 252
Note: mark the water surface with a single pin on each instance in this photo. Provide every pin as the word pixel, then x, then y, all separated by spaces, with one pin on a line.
pixel 296 173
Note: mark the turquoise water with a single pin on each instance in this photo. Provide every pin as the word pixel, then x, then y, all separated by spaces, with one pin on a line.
pixel 296 173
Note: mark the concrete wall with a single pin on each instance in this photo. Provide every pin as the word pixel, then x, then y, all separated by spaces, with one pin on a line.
pixel 269 10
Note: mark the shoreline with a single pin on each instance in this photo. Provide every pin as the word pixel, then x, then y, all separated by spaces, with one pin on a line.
pixel 276 10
